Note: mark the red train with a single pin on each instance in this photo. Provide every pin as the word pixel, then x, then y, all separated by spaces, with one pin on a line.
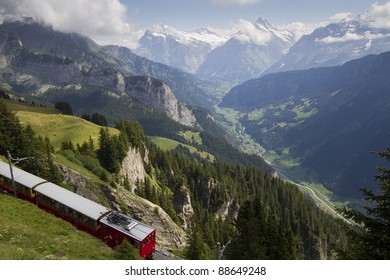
pixel 110 226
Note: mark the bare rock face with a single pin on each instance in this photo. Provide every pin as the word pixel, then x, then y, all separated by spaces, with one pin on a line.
pixel 133 168
pixel 77 182
pixel 168 233
pixel 228 209
pixel 158 95
pixel 183 206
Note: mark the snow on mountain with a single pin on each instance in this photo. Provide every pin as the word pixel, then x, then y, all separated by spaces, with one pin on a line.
pixel 184 50
pixel 251 50
pixel 335 44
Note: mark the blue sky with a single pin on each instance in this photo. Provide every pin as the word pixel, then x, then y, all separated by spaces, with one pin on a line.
pixel 188 15
pixel 122 22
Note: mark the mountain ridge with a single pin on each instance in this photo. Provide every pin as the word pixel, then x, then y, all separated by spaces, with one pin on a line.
pixel 59 59
pixel 334 44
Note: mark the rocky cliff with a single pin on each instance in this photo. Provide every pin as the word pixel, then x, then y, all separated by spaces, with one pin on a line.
pixel 133 167
pixel 157 94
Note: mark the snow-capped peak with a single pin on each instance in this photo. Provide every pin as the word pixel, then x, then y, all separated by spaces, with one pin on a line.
pixel 261 32
pixel 202 35
pixel 262 23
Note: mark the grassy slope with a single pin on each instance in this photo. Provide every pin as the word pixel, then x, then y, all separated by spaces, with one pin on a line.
pixel 168 144
pixel 60 128
pixel 47 122
pixel 27 232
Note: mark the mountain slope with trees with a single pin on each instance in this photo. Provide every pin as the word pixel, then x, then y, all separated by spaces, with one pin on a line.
pixel 328 119
pixel 369 239
pixel 216 191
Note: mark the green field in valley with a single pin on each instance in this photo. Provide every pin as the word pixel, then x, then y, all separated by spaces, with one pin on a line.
pixel 168 145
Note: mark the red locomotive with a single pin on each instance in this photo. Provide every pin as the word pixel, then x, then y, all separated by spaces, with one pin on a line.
pixel 111 226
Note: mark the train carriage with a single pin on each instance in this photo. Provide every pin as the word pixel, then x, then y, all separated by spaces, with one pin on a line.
pixel 111 226
pixel 25 182
pixel 80 211
pixel 117 227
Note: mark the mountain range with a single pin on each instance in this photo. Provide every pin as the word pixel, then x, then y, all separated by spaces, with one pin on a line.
pixel 328 119
pixel 234 58
pixel 38 60
pixel 334 44
pixel 319 124
pixel 259 48
pixel 247 54
pixel 310 115
pixel 183 50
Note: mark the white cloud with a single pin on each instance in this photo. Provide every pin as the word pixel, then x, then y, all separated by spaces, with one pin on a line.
pixel 103 20
pixel 248 33
pixel 379 15
pixel 347 37
pixel 352 37
pixel 341 16
pixel 299 28
pixel 235 2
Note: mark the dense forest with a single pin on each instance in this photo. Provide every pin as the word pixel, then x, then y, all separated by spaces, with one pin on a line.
pixel 266 218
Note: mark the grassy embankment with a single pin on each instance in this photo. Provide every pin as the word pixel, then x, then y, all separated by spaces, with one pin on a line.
pixel 29 233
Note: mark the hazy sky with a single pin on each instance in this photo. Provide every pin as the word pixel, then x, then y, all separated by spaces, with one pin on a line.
pixel 123 21
pixel 188 15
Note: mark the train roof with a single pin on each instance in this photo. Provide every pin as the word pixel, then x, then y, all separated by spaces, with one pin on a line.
pixel 127 225
pixel 81 204
pixel 20 176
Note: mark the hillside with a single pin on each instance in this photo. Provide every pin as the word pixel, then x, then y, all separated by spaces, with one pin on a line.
pixel 324 121
pixel 48 122
pixel 29 233
pixel 175 193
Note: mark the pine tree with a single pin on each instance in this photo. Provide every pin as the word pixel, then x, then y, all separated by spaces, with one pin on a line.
pixel 64 107
pixel 260 235
pixel 10 131
pixel 107 153
pixel 197 249
pixel 370 239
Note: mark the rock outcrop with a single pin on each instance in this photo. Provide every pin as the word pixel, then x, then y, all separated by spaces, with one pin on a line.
pixel 133 168
pixel 156 94
pixel 169 234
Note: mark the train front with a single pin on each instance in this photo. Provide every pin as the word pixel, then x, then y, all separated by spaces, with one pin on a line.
pixel 117 227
